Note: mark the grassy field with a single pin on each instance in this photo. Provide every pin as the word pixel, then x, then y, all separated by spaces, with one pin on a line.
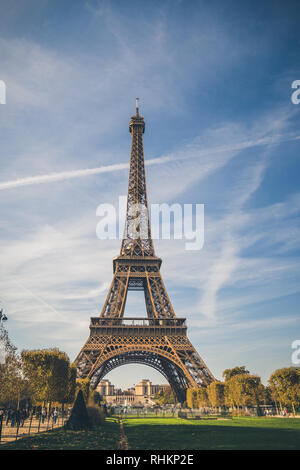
pixel 237 433
pixel 174 433
pixel 103 438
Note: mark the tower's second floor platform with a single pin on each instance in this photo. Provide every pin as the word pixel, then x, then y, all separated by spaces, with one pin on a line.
pixel 138 326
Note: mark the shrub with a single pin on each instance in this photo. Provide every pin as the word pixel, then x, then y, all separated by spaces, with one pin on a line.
pixel 96 415
pixel 79 418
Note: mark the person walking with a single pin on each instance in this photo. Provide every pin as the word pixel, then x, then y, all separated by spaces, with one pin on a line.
pixel 44 415
pixel 18 417
pixel 13 418
pixel 8 417
pixel 55 415
pixel 23 416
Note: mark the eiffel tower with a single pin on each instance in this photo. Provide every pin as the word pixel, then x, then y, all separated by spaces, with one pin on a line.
pixel 159 340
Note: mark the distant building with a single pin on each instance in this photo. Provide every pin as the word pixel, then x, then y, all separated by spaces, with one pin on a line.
pixel 105 388
pixel 146 388
pixel 140 394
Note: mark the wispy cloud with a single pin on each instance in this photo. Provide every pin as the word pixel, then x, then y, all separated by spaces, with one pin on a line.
pixel 197 153
pixel 66 175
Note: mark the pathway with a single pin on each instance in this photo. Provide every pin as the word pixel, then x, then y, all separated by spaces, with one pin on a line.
pixel 123 442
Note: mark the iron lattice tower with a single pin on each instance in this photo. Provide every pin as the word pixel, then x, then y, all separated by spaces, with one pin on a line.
pixel 159 340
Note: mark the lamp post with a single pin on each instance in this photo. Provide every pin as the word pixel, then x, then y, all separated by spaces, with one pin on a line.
pixel 3 317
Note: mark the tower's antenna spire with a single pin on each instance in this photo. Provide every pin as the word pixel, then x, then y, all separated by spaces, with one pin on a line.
pixel 137 106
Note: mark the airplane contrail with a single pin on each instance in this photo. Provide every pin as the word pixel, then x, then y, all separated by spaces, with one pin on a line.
pixel 60 176
pixel 39 179
pixel 65 175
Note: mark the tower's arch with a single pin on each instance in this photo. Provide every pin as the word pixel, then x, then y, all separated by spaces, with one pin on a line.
pixel 161 362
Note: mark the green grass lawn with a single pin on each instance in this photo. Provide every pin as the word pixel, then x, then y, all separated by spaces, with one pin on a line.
pixel 101 438
pixel 236 433
pixel 174 433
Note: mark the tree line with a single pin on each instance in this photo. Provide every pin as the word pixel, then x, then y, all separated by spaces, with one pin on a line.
pixel 165 397
pixel 240 389
pixel 38 377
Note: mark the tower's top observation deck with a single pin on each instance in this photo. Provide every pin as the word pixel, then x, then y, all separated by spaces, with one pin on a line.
pixel 137 123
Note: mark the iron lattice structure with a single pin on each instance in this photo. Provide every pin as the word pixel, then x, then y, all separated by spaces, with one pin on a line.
pixel 159 340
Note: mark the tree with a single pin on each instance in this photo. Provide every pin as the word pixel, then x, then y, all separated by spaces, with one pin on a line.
pixel 229 373
pixel 42 375
pixel 285 386
pixel 79 418
pixel 84 385
pixel 216 394
pixel 165 397
pixel 13 386
pixel 158 395
pixel 202 398
pixel 168 396
pixel 197 397
pixel 6 345
pixel 96 397
pixel 191 398
pixel 71 389
pixel 47 370
pixel 244 390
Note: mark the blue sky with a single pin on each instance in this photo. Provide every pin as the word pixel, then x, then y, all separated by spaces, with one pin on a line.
pixel 214 81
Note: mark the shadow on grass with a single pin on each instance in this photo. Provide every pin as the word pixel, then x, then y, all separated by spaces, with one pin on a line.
pixel 101 438
pixel 203 436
